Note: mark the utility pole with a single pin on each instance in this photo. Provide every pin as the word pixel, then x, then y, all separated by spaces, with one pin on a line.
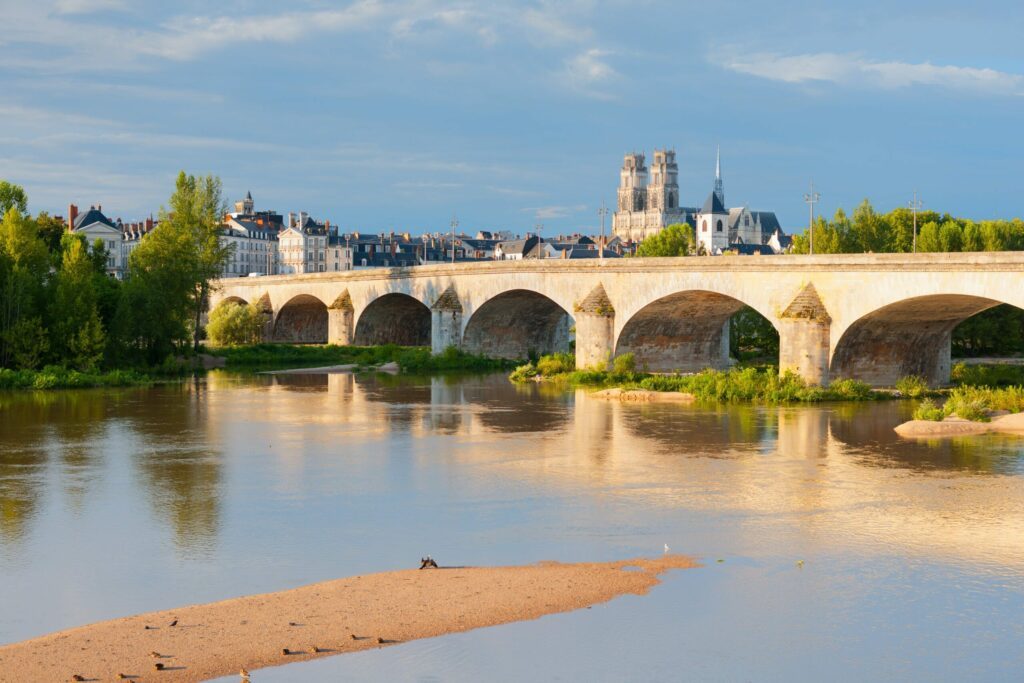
pixel 455 224
pixel 602 212
pixel 811 198
pixel 916 205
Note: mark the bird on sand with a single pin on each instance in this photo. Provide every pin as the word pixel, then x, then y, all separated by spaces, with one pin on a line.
pixel 314 650
pixel 78 677
pixel 354 637
pixel 149 628
pixel 154 653
pixel 243 673
pixel 159 666
pixel 173 623
pixel 122 676
pixel 800 563
pixel 667 548
pixel 427 561
pixel 380 641
pixel 285 651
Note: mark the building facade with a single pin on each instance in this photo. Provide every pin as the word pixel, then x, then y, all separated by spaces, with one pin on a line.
pixel 648 200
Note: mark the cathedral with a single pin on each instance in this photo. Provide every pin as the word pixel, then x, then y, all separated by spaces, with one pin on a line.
pixel 649 200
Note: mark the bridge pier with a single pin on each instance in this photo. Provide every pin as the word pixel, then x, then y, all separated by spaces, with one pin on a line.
pixel 341 320
pixel 595 330
pixel 804 329
pixel 446 322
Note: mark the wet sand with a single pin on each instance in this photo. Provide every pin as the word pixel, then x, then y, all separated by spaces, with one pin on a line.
pixel 339 616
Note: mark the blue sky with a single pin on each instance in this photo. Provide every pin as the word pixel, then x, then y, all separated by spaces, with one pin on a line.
pixel 394 115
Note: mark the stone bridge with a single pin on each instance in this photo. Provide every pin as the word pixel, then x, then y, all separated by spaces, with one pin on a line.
pixel 872 317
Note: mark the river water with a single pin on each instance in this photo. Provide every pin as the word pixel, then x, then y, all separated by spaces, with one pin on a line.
pixel 115 502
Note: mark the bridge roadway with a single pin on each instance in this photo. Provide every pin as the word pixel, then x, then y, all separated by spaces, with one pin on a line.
pixel 873 317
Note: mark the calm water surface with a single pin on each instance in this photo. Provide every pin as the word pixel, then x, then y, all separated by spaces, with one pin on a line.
pixel 117 502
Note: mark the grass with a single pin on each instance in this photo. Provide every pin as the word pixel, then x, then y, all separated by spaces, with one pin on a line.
pixel 56 377
pixel 973 403
pixel 410 359
pixel 987 375
pixel 757 384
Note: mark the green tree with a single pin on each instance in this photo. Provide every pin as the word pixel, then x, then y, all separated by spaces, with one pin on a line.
pixel 232 323
pixel 24 266
pixel 12 197
pixel 673 240
pixel 951 237
pixel 751 335
pixel 51 231
pixel 197 208
pixel 973 239
pixel 77 331
pixel 928 237
pixel 869 231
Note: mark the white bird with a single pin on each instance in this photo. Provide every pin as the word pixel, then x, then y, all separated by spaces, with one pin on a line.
pixel 667 548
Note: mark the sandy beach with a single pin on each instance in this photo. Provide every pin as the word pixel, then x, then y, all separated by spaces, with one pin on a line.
pixel 335 617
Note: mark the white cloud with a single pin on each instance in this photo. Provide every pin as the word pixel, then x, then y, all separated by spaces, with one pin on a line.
pixel 849 69
pixel 553 212
pixel 88 6
pixel 588 72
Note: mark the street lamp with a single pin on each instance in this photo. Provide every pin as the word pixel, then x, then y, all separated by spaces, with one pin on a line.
pixel 916 205
pixel 811 198
pixel 602 212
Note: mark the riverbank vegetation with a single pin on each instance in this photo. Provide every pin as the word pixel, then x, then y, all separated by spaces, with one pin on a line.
pixel 408 359
pixel 757 384
pixel 977 404
pixel 65 322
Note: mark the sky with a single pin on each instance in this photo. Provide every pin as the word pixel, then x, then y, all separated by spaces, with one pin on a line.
pixel 399 115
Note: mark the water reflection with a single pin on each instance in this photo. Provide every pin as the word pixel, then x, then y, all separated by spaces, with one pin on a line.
pixel 309 477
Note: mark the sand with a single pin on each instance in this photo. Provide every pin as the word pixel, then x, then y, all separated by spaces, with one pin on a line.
pixel 218 639
pixel 953 426
pixel 644 396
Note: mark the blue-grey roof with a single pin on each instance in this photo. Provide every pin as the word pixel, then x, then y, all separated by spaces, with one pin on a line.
pixel 93 215
pixel 713 204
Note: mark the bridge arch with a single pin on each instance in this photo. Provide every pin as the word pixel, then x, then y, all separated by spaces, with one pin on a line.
pixel 908 337
pixel 517 323
pixel 393 318
pixel 302 320
pixel 683 331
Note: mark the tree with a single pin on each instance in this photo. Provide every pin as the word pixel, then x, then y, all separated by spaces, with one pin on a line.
pixel 77 331
pixel 233 323
pixel 12 197
pixel 928 237
pixel 751 335
pixel 973 239
pixel 951 236
pixel 23 269
pixel 196 208
pixel 673 240
pixel 51 231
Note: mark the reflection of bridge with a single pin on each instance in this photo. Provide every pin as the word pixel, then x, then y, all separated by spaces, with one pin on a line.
pixel 874 317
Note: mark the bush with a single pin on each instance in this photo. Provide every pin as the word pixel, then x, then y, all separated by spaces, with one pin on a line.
pixel 851 390
pixel 523 373
pixel 928 410
pixel 556 364
pixel 987 375
pixel 624 364
pixel 232 323
pixel 912 386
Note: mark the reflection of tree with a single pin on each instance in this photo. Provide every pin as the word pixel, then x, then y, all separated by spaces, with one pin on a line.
pixel 702 427
pixel 30 423
pixel 181 474
pixel 21 487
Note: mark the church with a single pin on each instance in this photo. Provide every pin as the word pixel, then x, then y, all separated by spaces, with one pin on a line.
pixel 649 200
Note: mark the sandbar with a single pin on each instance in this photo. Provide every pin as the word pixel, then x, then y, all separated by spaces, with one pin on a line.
pixel 953 426
pixel 644 396
pixel 337 616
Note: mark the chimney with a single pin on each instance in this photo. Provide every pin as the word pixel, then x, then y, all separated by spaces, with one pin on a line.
pixel 72 215
pixel 291 219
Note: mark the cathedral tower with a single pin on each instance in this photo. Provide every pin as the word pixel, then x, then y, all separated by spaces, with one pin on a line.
pixel 632 183
pixel 663 192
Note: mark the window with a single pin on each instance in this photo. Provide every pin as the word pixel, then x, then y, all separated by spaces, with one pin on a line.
pixel 719 226
pixel 704 225
pixel 746 221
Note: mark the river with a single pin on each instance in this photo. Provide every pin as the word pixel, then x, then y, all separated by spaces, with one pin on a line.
pixel 114 502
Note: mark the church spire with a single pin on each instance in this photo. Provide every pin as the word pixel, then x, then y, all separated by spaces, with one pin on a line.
pixel 719 187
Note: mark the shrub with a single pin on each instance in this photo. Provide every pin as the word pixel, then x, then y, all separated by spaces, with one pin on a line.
pixel 851 390
pixel 624 364
pixel 556 364
pixel 928 410
pixel 523 373
pixel 987 375
pixel 232 323
pixel 912 386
